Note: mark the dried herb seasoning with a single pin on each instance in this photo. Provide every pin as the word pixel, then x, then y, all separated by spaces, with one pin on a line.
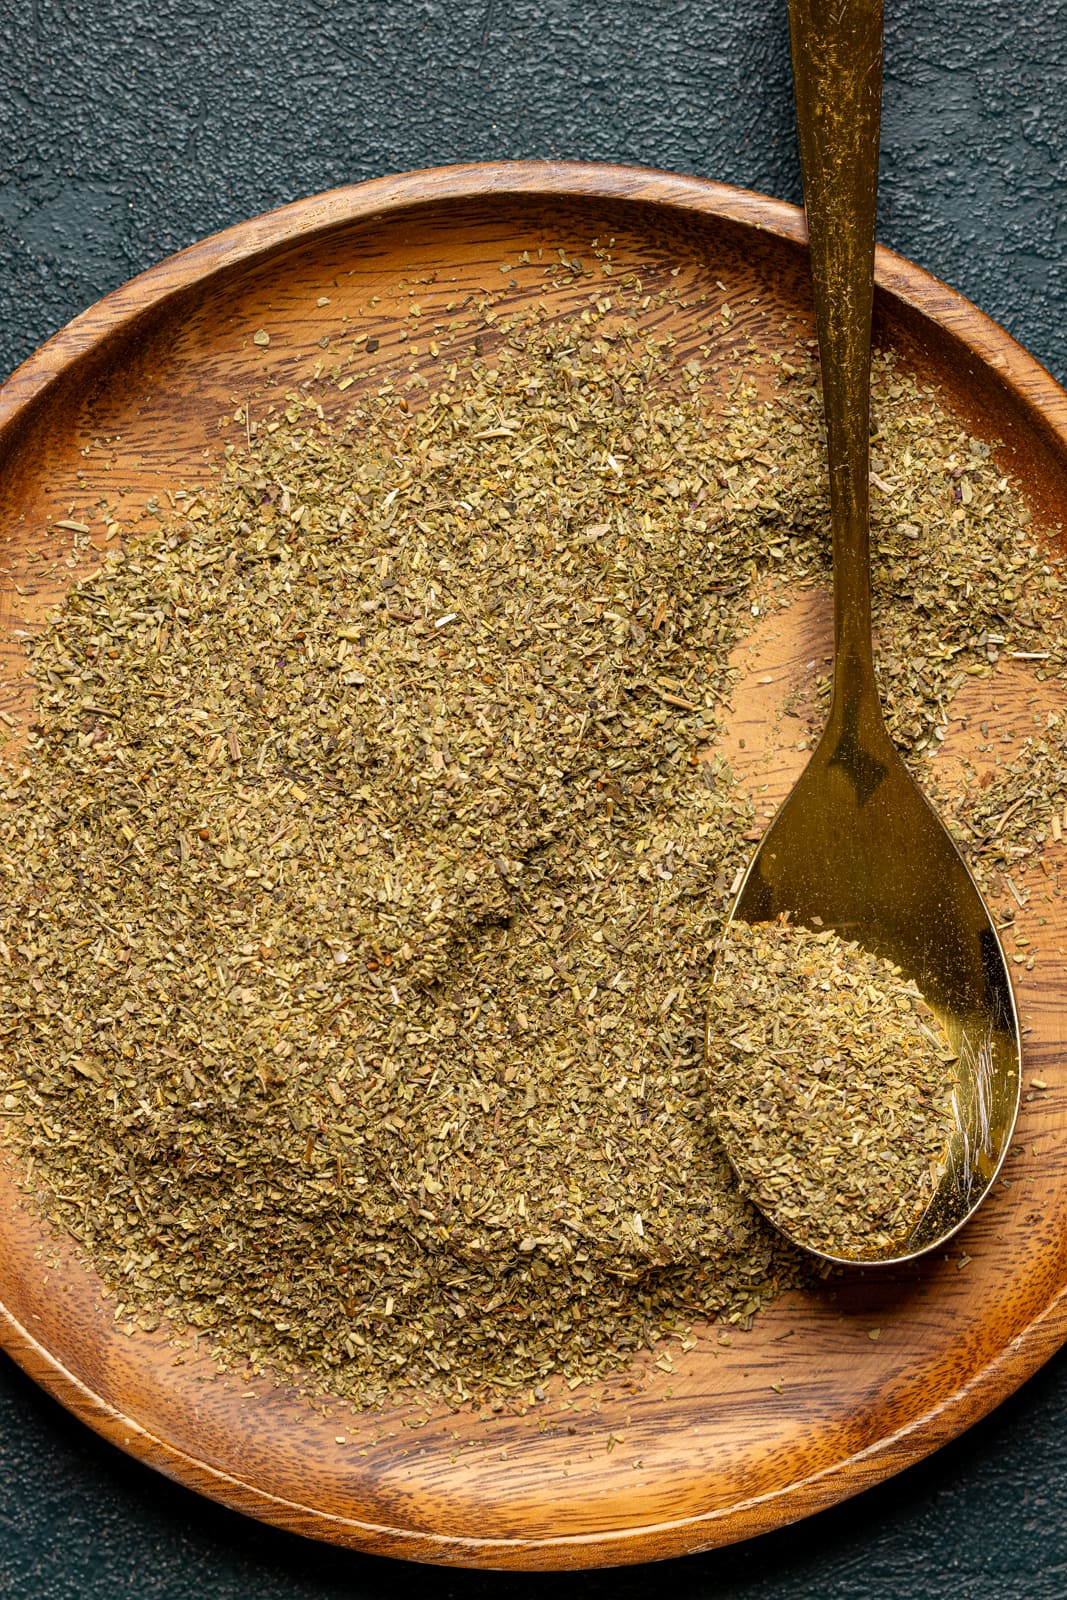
pixel 363 882
pixel 832 1084
pixel 1008 814
pixel 371 846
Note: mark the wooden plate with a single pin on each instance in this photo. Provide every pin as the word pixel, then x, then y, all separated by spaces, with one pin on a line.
pixel 805 1409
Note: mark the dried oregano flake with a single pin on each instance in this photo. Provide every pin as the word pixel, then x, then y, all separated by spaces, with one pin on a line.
pixel 364 874
pixel 832 1083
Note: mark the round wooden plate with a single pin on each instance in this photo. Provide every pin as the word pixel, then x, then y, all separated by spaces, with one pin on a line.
pixel 808 1407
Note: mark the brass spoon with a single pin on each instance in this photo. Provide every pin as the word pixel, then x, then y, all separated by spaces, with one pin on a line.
pixel 856 847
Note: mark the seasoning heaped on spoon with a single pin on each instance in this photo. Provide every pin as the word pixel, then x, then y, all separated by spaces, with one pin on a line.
pixel 856 848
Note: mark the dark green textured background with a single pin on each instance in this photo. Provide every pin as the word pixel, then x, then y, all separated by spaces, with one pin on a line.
pixel 130 128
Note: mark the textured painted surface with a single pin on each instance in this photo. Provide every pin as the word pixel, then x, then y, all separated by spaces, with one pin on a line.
pixel 128 130
pixel 131 129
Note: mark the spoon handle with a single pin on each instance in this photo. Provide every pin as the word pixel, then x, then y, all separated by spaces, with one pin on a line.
pixel 837 77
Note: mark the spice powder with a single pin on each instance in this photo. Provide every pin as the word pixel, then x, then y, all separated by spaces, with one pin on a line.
pixel 364 874
pixel 832 1083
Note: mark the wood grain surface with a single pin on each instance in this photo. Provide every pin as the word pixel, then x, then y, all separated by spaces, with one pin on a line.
pixel 805 1408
